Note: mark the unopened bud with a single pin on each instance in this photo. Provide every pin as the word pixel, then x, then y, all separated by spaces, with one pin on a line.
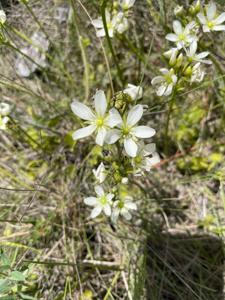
pixel 178 10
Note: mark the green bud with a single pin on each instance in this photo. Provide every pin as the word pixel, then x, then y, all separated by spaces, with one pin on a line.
pixel 178 10
pixel 179 60
pixel 188 71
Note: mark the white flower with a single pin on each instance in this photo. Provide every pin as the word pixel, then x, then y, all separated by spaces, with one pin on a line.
pixel 172 56
pixel 98 121
pixel 2 17
pixel 121 23
pixel 100 173
pixel 146 158
pixel 135 92
pixel 102 202
pixel 197 73
pixel 211 21
pixel 183 36
pixel 5 109
pixel 122 207
pixel 3 122
pixel 126 4
pixel 125 180
pixel 128 131
pixel 192 56
pixel 165 83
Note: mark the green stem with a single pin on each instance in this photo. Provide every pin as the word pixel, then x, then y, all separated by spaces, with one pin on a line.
pixel 166 144
pixel 103 9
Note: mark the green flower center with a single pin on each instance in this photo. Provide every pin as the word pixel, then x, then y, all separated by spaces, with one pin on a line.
pixel 103 200
pixel 182 37
pixel 138 160
pixel 210 24
pixel 125 131
pixel 169 79
pixel 120 205
pixel 99 122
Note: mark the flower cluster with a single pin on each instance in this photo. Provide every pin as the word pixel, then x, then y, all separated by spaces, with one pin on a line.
pixel 184 59
pixel 116 21
pixel 5 109
pixel 116 128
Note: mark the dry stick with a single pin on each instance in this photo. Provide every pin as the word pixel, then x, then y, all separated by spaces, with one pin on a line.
pixel 101 44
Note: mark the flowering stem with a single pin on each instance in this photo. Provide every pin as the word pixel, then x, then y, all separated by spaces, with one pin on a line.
pixel 103 8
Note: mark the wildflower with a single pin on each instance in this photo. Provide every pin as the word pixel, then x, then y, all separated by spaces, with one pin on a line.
pixel 124 180
pixel 128 131
pixel 122 207
pixel 5 109
pixel 146 158
pixel 2 17
pixel 98 121
pixel 101 203
pixel 100 173
pixel 3 122
pixel 121 23
pixel 182 36
pixel 192 56
pixel 178 10
pixel 197 73
pixel 165 83
pixel 174 60
pixel 126 4
pixel 211 21
pixel 135 92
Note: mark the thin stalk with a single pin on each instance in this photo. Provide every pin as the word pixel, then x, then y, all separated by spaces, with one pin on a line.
pixel 171 103
pixel 103 9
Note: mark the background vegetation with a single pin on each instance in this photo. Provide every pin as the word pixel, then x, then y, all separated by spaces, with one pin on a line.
pixel 50 249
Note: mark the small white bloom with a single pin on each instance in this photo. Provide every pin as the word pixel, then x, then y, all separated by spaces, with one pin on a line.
pixel 121 23
pixel 101 203
pixel 197 73
pixel 128 131
pixel 100 173
pixel 123 207
pixel 5 109
pixel 125 180
pixel 135 92
pixel 98 121
pixel 211 21
pixel 146 158
pixel 126 4
pixel 183 36
pixel 2 17
pixel 3 122
pixel 165 83
pixel 193 56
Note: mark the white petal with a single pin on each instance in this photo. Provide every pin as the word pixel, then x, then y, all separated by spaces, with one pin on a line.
pixel 114 118
pixel 157 79
pixel 143 132
pixel 172 37
pixel 92 201
pixel 127 216
pixel 83 132
pixel 193 48
pixel 82 111
pixel 134 115
pixel 219 28
pixel 96 211
pixel 155 159
pixel 202 18
pixel 101 33
pixel 202 55
pixel 115 214
pixel 110 196
pixel 131 205
pixel 130 147
pixel 205 28
pixel 220 19
pixel 107 210
pixel 149 149
pixel 97 23
pixel 161 90
pixel 99 190
pixel 100 103
pixel 177 27
pixel 112 136
pixel 211 11
pixel 169 90
pixel 100 138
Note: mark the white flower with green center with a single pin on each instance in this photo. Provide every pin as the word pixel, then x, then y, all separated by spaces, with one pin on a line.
pixel 182 36
pixel 194 57
pixel 211 21
pixel 5 109
pixel 126 4
pixel 3 122
pixel 100 173
pixel 146 158
pixel 165 83
pixel 135 92
pixel 197 73
pixel 101 203
pixel 2 17
pixel 128 131
pixel 98 121
pixel 99 26
pixel 123 208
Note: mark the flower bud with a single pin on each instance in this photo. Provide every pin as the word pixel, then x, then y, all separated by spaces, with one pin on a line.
pixel 188 71
pixel 179 60
pixel 178 10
